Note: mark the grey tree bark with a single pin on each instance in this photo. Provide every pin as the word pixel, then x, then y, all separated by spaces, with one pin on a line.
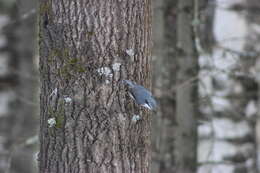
pixel 185 135
pixel 87 119
pixel 17 114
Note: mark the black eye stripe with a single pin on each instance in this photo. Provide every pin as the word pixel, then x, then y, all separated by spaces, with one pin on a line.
pixel 146 101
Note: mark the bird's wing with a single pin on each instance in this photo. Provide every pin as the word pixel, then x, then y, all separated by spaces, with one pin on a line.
pixel 143 90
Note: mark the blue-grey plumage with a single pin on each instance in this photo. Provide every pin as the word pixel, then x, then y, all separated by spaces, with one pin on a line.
pixel 141 95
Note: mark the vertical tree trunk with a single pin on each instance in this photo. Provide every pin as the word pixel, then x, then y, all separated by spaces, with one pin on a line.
pixel 253 91
pixel 17 118
pixel 164 77
pixel 7 82
pixel 186 95
pixel 86 49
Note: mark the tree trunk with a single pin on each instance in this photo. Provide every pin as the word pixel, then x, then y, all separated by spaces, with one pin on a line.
pixel 17 118
pixel 164 55
pixel 186 94
pixel 253 92
pixel 86 49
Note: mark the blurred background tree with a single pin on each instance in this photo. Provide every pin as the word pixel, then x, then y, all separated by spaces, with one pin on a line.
pixel 164 80
pixel 18 86
pixel 227 85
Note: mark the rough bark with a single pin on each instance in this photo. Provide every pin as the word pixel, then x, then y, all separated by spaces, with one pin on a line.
pixel 186 94
pixel 17 118
pixel 86 48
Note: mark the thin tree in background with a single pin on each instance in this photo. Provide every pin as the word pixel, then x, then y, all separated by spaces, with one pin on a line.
pixel 164 55
pixel 17 88
pixel 185 135
pixel 250 84
pixel 88 122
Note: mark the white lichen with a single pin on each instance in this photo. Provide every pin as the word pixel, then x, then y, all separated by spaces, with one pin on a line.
pixel 51 122
pixel 136 118
pixel 130 52
pixel 67 100
pixel 105 71
pixel 116 66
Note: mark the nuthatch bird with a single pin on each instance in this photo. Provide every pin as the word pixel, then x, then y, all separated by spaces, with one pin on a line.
pixel 141 95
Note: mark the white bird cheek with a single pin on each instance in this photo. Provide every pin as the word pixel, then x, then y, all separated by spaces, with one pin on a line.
pixel 147 106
